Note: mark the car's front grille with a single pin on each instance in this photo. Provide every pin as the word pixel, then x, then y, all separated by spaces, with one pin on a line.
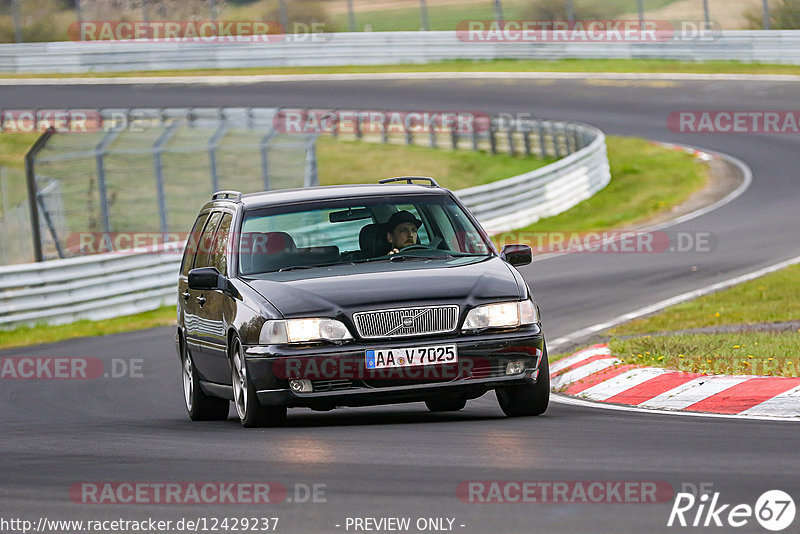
pixel 404 322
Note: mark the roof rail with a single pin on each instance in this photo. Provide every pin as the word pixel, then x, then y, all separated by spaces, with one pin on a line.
pixel 236 196
pixel 410 180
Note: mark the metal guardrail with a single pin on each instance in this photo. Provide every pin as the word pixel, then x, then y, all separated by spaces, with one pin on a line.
pixel 546 191
pixel 109 285
pixel 375 48
pixel 90 287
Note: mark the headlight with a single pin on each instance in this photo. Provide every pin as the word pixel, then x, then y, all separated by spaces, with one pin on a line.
pixel 303 331
pixel 501 315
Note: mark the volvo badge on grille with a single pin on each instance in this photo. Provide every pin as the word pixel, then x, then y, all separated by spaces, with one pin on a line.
pixel 408 322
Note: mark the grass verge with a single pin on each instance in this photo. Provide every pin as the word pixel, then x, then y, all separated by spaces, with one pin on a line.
pixel 769 299
pixel 738 353
pixel 635 162
pixel 36 335
pixel 647 180
pixel 354 162
pixel 496 65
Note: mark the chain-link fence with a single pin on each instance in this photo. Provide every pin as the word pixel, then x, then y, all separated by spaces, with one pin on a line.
pixel 148 171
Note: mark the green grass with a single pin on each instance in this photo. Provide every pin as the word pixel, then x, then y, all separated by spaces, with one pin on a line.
pixel 771 298
pixel 759 353
pixel 447 17
pixel 353 162
pixel 646 180
pixel 498 65
pixel 356 162
pixel 440 17
pixel 35 335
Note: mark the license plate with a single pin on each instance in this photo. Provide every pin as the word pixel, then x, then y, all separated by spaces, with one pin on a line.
pixel 411 356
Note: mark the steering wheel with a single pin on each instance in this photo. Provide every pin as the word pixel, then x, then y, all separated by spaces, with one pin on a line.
pixel 416 246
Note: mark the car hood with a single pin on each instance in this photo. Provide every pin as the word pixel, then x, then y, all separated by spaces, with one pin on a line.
pixel 344 289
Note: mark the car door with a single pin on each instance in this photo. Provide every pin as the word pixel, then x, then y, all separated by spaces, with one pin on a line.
pixel 186 305
pixel 211 307
pixel 195 325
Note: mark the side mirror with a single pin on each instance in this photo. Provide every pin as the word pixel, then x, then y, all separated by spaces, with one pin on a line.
pixel 206 278
pixel 516 254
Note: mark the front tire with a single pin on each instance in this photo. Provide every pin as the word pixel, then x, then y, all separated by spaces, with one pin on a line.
pixel 251 413
pixel 528 399
pixel 200 406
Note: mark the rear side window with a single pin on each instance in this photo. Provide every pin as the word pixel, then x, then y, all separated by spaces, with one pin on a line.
pixel 219 257
pixel 205 247
pixel 191 244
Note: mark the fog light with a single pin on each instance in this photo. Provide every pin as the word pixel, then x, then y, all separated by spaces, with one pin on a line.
pixel 515 368
pixel 301 386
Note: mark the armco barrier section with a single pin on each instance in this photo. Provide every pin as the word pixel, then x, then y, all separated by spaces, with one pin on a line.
pixel 377 48
pixel 90 287
pixel 121 283
pixel 522 200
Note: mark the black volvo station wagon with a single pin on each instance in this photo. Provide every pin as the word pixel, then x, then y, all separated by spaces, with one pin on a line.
pixel 353 296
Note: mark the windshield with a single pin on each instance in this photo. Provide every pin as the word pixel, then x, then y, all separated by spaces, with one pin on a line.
pixel 345 231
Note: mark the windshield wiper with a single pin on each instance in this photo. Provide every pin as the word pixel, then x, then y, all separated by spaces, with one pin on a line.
pixel 401 256
pixel 298 267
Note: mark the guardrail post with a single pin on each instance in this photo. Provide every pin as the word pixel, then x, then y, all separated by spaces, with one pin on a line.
pixel 512 149
pixel 50 226
pixel 492 139
pixel 454 138
pixel 158 150
pixel 556 141
pixel 102 193
pixel 432 133
pixel 542 144
pixel 385 133
pixel 311 177
pixel 213 145
pixel 264 149
pixel 30 175
pixel 526 139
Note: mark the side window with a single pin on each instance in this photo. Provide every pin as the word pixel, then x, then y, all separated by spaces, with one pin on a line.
pixel 220 256
pixel 205 246
pixel 191 244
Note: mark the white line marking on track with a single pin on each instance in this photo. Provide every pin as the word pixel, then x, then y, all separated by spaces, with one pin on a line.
pixel 378 76
pixel 599 327
pixel 578 357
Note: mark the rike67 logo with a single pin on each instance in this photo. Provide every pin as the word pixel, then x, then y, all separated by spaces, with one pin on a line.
pixel 774 510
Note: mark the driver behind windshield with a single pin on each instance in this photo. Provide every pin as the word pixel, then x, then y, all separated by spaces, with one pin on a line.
pixel 402 229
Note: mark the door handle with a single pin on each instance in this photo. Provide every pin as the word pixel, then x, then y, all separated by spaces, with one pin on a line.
pixel 185 295
pixel 201 299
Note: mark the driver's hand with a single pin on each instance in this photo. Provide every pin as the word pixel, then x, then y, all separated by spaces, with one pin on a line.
pixel 393 251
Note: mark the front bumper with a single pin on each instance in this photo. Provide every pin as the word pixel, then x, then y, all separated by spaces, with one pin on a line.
pixel 339 378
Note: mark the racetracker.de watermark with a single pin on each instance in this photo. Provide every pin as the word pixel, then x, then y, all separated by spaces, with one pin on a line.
pixel 735 121
pixel 611 242
pixel 585 31
pixel 68 368
pixel 342 121
pixel 196 31
pixel 564 492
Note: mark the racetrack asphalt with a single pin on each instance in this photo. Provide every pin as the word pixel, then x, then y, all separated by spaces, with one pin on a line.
pixel 401 460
